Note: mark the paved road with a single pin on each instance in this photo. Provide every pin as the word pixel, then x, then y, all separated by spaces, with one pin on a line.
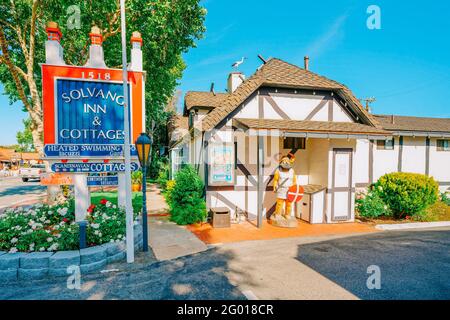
pixel 14 192
pixel 413 264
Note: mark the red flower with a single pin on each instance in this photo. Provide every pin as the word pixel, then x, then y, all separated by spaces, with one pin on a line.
pixel 91 208
pixel 66 220
pixel 103 201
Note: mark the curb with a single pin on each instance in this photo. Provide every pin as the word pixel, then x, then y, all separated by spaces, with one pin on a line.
pixel 414 225
pixel 41 265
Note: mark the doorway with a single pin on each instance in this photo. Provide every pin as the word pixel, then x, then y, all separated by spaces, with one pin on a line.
pixel 341 191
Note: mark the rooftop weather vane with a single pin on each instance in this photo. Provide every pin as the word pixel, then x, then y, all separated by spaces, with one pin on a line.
pixel 238 63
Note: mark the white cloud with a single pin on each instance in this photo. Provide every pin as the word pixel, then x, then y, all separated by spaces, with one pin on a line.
pixel 331 35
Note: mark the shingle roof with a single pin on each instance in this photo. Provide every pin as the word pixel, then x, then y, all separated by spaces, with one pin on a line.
pixel 310 126
pixel 202 99
pixel 408 123
pixel 278 73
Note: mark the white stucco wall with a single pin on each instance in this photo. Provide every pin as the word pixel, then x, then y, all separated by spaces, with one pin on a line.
pixel 413 158
pixel 385 161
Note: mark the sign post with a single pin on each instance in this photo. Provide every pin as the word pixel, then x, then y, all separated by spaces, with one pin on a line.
pixel 91 113
pixel 128 207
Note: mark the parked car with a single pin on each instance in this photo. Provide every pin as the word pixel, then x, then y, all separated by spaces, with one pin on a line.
pixel 33 172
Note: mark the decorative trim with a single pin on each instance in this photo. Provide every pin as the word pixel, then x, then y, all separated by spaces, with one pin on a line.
pixel 362 184
pixel 277 108
pixel 317 109
pixel 427 156
pixel 400 153
pixel 330 109
pixel 370 161
pixel 260 106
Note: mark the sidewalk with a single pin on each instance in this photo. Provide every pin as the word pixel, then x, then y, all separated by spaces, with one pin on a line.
pixel 167 239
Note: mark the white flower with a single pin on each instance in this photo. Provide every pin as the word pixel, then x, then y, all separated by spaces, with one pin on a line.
pixel 49 239
pixel 13 250
pixel 114 206
pixel 95 225
pixel 58 235
pixel 41 249
pixel 380 188
pixel 96 232
pixel 62 211
pixel 14 240
pixel 42 219
pixel 47 221
pixel 108 204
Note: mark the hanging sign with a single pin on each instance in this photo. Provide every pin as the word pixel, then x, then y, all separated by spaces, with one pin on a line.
pixel 48 179
pixel 221 164
pixel 84 111
pixel 93 181
pixel 67 151
pixel 92 167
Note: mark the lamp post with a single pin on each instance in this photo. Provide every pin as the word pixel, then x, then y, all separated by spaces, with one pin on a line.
pixel 143 147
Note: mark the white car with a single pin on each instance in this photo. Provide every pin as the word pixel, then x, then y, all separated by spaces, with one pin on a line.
pixel 33 172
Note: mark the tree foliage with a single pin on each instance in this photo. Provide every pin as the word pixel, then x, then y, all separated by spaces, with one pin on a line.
pixel 25 137
pixel 168 27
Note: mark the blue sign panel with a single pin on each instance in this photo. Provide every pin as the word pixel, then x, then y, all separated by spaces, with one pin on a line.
pixel 89 112
pixel 102 181
pixel 92 167
pixel 86 150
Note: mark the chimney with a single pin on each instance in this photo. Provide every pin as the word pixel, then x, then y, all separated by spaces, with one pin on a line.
pixel 306 62
pixel 54 53
pixel 136 51
pixel 96 58
pixel 392 119
pixel 234 80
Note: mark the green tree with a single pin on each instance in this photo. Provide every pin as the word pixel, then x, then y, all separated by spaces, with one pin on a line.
pixel 168 27
pixel 25 137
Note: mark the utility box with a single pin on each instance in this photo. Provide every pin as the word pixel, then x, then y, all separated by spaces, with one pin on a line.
pixel 220 217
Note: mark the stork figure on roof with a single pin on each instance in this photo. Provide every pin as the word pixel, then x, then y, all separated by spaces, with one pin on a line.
pixel 238 63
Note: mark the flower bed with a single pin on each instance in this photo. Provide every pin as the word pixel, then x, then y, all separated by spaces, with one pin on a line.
pixel 52 228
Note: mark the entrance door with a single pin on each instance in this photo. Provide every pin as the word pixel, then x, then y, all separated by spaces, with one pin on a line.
pixel 341 192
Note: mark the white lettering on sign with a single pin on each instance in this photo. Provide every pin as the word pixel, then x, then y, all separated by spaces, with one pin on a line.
pixel 77 94
pixel 91 134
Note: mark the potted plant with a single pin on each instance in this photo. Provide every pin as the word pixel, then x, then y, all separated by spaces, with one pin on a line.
pixel 136 181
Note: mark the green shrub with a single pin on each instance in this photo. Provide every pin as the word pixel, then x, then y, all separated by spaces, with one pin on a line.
pixel 407 193
pixel 163 176
pixel 168 193
pixel 370 205
pixel 445 198
pixel 187 205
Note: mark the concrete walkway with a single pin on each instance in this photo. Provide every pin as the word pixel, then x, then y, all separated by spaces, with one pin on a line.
pixel 167 239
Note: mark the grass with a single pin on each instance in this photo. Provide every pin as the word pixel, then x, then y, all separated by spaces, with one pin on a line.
pixel 112 196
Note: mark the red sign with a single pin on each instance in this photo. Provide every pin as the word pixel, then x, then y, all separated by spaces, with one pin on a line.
pixel 48 179
pixel 295 193
pixel 90 90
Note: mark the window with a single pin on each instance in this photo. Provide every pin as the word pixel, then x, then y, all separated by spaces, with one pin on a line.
pixel 385 144
pixel 443 145
pixel 293 143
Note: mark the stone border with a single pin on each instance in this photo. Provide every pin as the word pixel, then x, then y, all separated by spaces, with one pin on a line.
pixel 413 225
pixel 41 265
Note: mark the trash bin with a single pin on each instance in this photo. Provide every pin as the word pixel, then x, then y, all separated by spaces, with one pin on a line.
pixel 220 217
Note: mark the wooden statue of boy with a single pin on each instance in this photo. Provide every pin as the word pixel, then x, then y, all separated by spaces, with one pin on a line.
pixel 283 179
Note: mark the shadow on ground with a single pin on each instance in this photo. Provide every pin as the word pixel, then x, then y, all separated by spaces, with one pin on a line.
pixel 199 276
pixel 22 190
pixel 413 265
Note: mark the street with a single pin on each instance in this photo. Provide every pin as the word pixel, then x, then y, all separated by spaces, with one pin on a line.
pixel 15 192
pixel 413 265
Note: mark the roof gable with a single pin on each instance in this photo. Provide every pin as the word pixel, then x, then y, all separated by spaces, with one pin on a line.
pixel 277 73
pixel 202 99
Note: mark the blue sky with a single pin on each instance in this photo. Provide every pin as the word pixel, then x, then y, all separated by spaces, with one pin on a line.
pixel 405 65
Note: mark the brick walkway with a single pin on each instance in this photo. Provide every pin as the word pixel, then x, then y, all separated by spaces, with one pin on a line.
pixel 249 231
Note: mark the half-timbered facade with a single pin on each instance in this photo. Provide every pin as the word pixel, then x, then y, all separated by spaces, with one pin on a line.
pixel 339 146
